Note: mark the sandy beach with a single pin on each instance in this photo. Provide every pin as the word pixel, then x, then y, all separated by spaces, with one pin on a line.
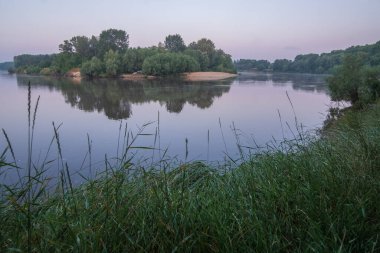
pixel 207 76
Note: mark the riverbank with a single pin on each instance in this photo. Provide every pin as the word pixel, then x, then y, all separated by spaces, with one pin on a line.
pixel 319 195
pixel 192 77
pixel 207 76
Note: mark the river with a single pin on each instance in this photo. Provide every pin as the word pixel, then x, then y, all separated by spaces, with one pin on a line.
pixel 187 121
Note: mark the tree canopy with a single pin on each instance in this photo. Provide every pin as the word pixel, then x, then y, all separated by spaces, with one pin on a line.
pixel 109 55
pixel 112 39
pixel 325 63
pixel 355 82
pixel 174 43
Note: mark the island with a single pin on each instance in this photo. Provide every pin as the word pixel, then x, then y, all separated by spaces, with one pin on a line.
pixel 109 56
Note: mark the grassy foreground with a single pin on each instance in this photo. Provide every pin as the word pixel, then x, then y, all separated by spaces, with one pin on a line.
pixel 322 198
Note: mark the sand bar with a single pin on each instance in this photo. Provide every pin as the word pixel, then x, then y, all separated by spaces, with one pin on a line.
pixel 207 76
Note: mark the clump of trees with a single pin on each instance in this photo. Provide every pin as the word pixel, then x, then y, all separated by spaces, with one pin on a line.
pixel 169 63
pixel 248 64
pixel 325 63
pixel 109 55
pixel 355 81
pixel 8 66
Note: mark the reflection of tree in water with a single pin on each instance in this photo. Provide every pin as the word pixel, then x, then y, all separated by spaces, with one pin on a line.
pixel 115 97
pixel 304 82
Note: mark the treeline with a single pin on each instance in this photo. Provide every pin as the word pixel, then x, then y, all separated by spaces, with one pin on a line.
pixel 7 66
pixel 109 55
pixel 325 63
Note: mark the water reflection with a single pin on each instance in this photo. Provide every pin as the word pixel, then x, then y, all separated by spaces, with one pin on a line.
pixel 304 82
pixel 252 102
pixel 115 97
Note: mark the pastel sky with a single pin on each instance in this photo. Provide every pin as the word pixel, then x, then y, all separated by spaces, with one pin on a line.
pixel 259 29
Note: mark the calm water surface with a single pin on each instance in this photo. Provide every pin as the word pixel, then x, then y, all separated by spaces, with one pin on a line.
pixel 203 113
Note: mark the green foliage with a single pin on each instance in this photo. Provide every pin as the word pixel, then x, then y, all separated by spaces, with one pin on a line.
pixel 221 62
pixel 355 82
pixel 80 45
pixel 7 65
pixel 112 63
pixel 37 61
pixel 174 43
pixel 80 50
pixel 246 64
pixel 133 58
pixel 200 57
pixel 325 63
pixel 169 63
pixel 112 39
pixel 281 65
pixel 49 71
pixel 64 61
pixel 204 45
pixel 66 47
pixel 92 68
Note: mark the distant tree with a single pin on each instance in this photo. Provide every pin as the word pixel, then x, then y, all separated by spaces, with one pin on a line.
pixel 81 46
pixel 6 65
pixel 282 65
pixel 32 64
pixel 203 45
pixel 200 57
pixel 247 64
pixel 169 63
pixel 66 47
pixel 161 45
pixel 93 45
pixel 92 68
pixel 117 40
pixel 64 61
pixel 222 62
pixel 133 58
pixel 174 43
pixel 112 63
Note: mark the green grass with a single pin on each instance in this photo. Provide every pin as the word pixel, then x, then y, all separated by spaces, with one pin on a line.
pixel 323 198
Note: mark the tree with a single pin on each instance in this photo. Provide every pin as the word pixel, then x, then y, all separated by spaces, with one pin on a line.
pixel 66 47
pixel 133 58
pixel 203 45
pixel 81 46
pixel 64 61
pixel 92 68
pixel 355 82
pixel 281 65
pixel 221 62
pixel 200 57
pixel 174 43
pixel 117 40
pixel 112 63
pixel 169 63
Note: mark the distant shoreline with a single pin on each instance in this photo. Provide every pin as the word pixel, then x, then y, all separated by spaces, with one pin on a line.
pixel 191 76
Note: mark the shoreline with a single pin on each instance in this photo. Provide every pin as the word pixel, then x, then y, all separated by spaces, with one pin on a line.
pixel 190 76
pixel 207 76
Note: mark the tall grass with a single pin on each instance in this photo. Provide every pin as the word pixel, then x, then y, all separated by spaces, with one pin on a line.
pixel 320 196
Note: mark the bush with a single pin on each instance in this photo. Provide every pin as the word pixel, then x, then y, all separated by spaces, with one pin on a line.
pixel 92 68
pixel 355 82
pixel 48 71
pixel 168 64
pixel 112 63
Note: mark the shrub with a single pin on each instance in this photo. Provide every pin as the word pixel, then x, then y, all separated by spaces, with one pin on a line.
pixel 168 64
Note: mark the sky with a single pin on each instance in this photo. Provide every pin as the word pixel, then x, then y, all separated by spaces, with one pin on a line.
pixel 249 29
